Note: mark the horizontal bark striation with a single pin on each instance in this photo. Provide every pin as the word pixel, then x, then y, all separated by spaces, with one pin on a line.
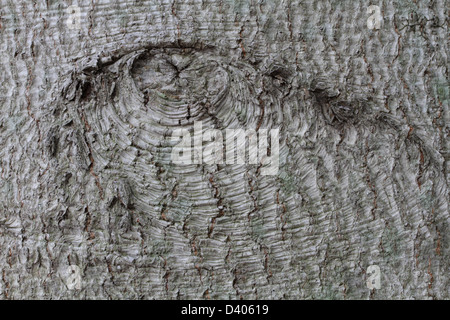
pixel 86 177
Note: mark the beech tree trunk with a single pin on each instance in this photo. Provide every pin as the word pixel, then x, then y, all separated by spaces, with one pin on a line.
pixel 89 103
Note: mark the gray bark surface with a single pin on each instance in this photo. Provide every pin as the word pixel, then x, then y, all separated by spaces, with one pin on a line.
pixel 86 178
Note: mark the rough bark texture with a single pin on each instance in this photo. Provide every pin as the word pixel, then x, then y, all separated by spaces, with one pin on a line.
pixel 86 178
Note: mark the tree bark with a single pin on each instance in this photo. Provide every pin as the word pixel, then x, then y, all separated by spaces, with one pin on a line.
pixel 89 104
